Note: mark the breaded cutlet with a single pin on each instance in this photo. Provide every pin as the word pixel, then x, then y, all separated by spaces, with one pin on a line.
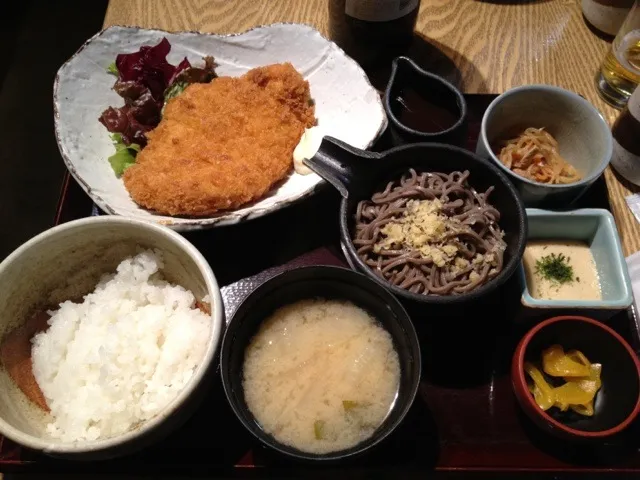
pixel 223 144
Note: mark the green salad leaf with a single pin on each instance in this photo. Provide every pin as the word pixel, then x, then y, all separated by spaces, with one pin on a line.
pixel 174 90
pixel 112 69
pixel 125 155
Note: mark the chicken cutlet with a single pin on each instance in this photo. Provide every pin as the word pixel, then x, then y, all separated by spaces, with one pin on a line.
pixel 222 144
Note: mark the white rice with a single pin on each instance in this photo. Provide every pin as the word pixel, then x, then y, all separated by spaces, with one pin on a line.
pixel 122 355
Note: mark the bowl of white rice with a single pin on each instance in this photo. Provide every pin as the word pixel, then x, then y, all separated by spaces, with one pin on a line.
pixel 108 332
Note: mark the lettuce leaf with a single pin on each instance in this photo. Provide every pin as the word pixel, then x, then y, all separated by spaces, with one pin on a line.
pixel 145 81
pixel 174 90
pixel 125 155
pixel 144 78
pixel 149 67
pixel 112 69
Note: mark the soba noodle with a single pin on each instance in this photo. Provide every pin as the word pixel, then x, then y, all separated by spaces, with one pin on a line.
pixel 431 233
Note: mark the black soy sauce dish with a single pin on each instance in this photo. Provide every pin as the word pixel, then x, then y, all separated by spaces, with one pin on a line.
pixel 329 283
pixel 358 174
pixel 423 107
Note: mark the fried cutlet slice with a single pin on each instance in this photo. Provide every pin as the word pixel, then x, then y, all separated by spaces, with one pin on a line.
pixel 223 144
pixel 282 81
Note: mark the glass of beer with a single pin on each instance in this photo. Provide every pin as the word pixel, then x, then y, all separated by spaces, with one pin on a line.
pixel 619 74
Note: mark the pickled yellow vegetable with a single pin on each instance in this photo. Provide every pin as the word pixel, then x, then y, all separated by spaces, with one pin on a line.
pixel 590 384
pixel 571 394
pixel 577 393
pixel 542 391
pixel 586 410
pixel 558 364
pixel 578 356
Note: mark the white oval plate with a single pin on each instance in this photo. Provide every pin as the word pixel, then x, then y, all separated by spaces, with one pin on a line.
pixel 347 106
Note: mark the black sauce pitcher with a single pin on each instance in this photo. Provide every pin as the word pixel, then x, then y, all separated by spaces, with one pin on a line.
pixel 423 107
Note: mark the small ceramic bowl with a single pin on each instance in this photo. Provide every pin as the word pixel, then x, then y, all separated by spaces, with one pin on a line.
pixel 606 15
pixel 436 111
pixel 66 262
pixel 583 136
pixel 617 403
pixel 330 283
pixel 596 227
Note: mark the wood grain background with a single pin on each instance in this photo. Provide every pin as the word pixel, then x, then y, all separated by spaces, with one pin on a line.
pixel 492 46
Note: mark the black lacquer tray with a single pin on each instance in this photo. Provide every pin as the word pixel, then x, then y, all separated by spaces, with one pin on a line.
pixel 465 417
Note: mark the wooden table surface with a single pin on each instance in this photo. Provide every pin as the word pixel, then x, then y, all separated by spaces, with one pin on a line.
pixel 491 45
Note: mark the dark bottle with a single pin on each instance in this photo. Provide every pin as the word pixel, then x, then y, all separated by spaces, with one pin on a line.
pixel 626 140
pixel 372 32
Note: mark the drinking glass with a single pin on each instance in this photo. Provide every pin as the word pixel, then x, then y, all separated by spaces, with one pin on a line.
pixel 619 73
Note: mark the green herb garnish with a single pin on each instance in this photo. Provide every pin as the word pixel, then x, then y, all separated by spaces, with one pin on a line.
pixel 125 155
pixel 555 268
pixel 112 69
pixel 318 429
pixel 349 405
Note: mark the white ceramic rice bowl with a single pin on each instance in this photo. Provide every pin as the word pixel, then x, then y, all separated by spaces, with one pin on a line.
pixel 30 279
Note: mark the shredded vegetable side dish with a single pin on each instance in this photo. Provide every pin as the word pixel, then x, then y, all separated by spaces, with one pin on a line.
pixel 534 155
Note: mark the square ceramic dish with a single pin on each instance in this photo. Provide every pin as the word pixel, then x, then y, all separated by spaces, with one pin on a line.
pixel 597 228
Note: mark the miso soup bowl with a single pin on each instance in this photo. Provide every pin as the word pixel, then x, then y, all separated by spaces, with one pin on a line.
pixel 584 138
pixel 65 263
pixel 597 228
pixel 328 283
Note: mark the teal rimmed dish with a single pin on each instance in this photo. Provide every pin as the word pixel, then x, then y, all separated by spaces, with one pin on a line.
pixel 597 228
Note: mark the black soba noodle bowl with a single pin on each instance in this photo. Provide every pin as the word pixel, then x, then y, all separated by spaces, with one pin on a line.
pixel 431 233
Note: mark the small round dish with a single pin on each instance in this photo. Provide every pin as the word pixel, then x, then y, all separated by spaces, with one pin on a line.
pixel 617 403
pixel 607 16
pixel 320 282
pixel 584 138
pixel 71 258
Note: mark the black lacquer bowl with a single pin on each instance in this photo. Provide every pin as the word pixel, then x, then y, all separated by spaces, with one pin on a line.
pixel 359 174
pixel 329 283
